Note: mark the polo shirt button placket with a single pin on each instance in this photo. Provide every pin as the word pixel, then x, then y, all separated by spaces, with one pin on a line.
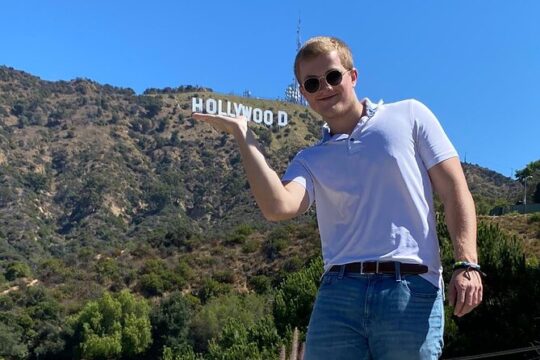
pixel 353 145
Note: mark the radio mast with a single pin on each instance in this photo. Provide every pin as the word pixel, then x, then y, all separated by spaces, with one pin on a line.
pixel 292 93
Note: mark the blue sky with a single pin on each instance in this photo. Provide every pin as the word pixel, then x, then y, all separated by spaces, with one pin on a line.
pixel 475 63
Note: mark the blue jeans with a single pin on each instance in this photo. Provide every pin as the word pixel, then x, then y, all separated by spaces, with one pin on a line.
pixel 376 316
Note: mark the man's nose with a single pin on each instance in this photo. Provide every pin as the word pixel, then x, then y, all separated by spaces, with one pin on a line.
pixel 324 84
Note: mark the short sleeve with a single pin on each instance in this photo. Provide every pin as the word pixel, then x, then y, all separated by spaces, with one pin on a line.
pixel 298 173
pixel 431 140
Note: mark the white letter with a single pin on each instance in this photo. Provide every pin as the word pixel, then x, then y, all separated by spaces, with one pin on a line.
pixel 246 111
pixel 211 106
pixel 220 109
pixel 197 105
pixel 238 109
pixel 257 115
pixel 283 119
pixel 268 117
pixel 229 109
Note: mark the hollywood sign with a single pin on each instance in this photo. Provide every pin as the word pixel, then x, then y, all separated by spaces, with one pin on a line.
pixel 232 109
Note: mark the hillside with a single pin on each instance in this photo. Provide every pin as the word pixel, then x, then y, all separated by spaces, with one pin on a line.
pixel 97 169
pixel 526 228
pixel 105 190
pixel 90 170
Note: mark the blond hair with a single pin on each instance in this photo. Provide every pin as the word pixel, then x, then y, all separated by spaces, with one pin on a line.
pixel 321 45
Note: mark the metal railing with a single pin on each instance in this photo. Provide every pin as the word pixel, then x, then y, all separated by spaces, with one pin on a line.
pixel 499 353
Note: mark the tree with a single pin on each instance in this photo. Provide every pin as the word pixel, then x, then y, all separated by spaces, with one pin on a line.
pixel 295 297
pixel 530 169
pixel 113 326
pixel 536 196
pixel 186 353
pixel 170 323
pixel 238 341
pixel 213 316
pixel 530 175
pixel 11 343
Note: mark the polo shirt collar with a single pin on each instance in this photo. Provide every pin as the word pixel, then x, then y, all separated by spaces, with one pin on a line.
pixel 371 110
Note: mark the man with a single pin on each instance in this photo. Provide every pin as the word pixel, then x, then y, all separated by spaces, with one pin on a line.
pixel 371 176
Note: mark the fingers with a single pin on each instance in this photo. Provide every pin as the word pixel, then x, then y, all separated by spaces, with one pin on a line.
pixel 223 123
pixel 460 308
pixel 465 292
pixel 217 122
pixel 452 295
pixel 203 116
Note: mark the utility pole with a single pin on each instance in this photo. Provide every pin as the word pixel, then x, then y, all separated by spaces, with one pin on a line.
pixel 525 188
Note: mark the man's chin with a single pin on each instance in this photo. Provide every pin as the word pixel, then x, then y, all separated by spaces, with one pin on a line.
pixel 331 110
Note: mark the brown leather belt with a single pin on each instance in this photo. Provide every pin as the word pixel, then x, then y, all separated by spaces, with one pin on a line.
pixel 375 267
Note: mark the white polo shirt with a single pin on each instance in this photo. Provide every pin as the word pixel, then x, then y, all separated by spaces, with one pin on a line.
pixel 372 190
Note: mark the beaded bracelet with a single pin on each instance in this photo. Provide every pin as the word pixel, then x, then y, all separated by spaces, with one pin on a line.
pixel 468 266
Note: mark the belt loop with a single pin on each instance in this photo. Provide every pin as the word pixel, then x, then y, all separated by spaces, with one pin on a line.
pixel 397 265
pixel 341 272
pixel 361 268
pixel 377 267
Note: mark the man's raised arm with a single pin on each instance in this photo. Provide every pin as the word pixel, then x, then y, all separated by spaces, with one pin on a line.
pixel 277 201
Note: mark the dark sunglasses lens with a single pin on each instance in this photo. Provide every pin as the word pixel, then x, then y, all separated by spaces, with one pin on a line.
pixel 334 78
pixel 311 85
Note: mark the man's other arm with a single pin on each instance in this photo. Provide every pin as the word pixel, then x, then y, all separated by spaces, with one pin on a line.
pixel 465 288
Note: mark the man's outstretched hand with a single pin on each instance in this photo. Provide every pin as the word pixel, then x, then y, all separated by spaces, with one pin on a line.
pixel 227 124
pixel 465 291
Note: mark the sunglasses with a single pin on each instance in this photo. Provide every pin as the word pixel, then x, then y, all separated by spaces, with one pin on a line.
pixel 332 77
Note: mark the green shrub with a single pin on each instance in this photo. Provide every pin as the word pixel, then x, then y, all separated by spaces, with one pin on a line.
pixel 107 270
pixel 152 284
pixel 212 288
pixel 235 239
pixel 511 292
pixel 113 326
pixel 156 278
pixel 36 181
pixel 533 218
pixel 295 297
pixel 259 341
pixel 260 283
pixel 276 241
pixel 17 270
pixel 250 246
pixel 54 271
pixel 170 324
pixel 152 105
pixel 244 229
pixel 213 316
pixel 224 276
pixel 183 353
pixel 184 270
pixel 11 340
pixel 295 263
pixel 239 235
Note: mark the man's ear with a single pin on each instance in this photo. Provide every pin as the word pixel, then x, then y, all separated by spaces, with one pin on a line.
pixel 354 76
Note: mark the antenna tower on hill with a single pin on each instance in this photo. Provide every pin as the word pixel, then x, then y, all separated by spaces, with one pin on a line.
pixel 292 92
